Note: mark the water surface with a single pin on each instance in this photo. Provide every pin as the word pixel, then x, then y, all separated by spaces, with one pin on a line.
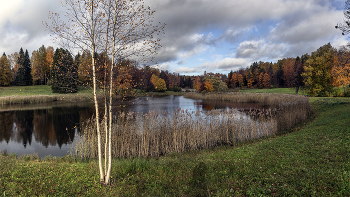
pixel 52 128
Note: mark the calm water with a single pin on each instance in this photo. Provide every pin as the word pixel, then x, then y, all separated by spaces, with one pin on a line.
pixel 52 128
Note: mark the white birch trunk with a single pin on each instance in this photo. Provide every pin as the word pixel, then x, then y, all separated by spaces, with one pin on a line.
pixel 108 175
pixel 95 96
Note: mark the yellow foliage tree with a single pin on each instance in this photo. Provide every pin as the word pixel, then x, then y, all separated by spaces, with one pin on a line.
pixel 160 85
pixel 208 85
pixel 5 71
pixel 266 80
pixel 240 80
pixel 197 84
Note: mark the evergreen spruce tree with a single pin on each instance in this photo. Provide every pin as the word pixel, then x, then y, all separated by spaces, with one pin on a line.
pixel 64 72
pixel 27 69
pixel 20 73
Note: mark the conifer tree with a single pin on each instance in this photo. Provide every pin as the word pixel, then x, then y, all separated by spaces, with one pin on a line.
pixel 20 73
pixel 64 72
pixel 24 76
pixel 27 69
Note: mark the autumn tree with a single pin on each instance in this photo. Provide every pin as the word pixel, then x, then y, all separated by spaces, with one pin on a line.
pixel 124 29
pixel 261 79
pixel 288 72
pixel 40 66
pixel 266 80
pixel 123 82
pixel 84 62
pixel 208 85
pixel 160 85
pixel 341 68
pixel 218 84
pixel 318 78
pixel 14 65
pixel 197 84
pixel 240 80
pixel 5 71
pixel 234 80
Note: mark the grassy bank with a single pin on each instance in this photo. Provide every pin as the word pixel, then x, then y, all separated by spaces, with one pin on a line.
pixel 43 94
pixel 39 94
pixel 313 160
pixel 275 90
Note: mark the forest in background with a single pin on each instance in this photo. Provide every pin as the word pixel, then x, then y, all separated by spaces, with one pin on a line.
pixel 317 73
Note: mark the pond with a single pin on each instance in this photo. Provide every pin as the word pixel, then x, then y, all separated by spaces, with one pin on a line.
pixel 52 128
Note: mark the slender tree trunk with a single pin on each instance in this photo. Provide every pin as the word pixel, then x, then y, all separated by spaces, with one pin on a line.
pixel 297 90
pixel 104 88
pixel 110 98
pixel 95 96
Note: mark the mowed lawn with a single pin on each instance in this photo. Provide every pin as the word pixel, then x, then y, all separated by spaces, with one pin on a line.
pixel 313 159
pixel 34 90
pixel 275 90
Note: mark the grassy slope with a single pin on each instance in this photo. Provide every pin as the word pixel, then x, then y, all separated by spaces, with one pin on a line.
pixel 312 160
pixel 32 91
pixel 274 90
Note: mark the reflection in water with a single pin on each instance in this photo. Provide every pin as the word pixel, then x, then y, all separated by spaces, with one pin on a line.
pixel 51 128
pixel 6 125
pixel 24 126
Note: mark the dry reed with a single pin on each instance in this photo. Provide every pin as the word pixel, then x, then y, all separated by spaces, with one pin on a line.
pixel 159 133
pixel 287 109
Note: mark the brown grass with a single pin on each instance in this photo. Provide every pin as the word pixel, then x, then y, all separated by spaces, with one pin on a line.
pixel 287 109
pixel 270 99
pixel 160 133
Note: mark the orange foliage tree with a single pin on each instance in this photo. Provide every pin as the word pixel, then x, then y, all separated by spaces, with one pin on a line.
pixel 208 85
pixel 266 80
pixel 341 69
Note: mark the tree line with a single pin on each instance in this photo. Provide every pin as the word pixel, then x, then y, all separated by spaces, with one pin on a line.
pixel 319 72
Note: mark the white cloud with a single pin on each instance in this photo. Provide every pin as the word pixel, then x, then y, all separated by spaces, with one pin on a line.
pixel 252 30
pixel 186 70
pixel 226 64
pixel 21 24
pixel 260 50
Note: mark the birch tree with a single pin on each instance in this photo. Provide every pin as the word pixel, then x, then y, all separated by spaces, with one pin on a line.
pixel 120 28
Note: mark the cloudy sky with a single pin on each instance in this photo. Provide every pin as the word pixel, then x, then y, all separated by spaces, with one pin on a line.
pixel 203 35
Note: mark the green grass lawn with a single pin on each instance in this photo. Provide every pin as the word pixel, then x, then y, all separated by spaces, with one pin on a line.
pixel 275 90
pixel 33 90
pixel 311 160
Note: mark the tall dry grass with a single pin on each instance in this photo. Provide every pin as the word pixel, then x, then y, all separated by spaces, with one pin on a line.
pixel 270 99
pixel 159 133
pixel 287 109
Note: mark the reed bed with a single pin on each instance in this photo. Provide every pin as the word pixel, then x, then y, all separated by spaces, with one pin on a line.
pixel 159 133
pixel 287 109
pixel 269 99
